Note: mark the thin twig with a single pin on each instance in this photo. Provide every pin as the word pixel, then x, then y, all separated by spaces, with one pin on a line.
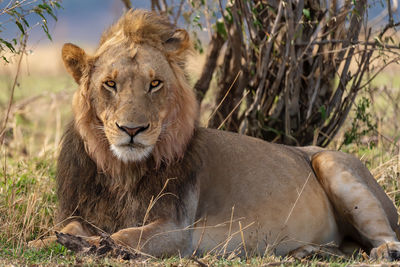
pixel 10 102
pixel 178 14
pixel 201 237
pixel 153 201
pixel 127 3
pixel 243 242
pixel 226 94
pixel 229 231
pixel 297 199
pixel 233 110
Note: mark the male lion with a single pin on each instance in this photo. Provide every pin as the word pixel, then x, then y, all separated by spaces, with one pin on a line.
pixel 134 164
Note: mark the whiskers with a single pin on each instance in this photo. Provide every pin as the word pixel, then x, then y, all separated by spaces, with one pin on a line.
pixel 99 127
pixel 101 135
pixel 170 126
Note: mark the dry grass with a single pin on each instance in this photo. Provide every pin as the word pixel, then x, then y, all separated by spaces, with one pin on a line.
pixel 27 165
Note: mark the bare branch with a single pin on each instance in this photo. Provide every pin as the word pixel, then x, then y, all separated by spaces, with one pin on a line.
pixel 214 49
pixel 10 102
pixel 289 53
pixel 178 13
pixel 127 4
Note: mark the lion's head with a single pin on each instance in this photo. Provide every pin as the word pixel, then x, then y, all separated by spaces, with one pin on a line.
pixel 133 100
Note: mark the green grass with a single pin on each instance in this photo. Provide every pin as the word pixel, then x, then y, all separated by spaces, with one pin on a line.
pixel 34 85
pixel 55 254
pixel 27 199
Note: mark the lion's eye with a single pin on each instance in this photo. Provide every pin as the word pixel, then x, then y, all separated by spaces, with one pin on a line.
pixel 110 84
pixel 155 85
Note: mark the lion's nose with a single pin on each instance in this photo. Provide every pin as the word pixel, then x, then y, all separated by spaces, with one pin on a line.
pixel 132 131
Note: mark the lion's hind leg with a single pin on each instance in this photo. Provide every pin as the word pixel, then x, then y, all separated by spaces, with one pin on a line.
pixel 359 201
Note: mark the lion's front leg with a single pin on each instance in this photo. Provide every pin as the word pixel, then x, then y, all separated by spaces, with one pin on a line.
pixel 73 228
pixel 159 238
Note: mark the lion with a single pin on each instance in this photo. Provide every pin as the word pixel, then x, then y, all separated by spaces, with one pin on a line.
pixel 135 163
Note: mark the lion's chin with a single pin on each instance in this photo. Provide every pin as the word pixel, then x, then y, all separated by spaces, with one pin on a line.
pixel 131 154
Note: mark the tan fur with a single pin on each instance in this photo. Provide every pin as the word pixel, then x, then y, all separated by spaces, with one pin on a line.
pixel 208 190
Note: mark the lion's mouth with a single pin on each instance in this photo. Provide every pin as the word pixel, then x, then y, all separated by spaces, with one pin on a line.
pixel 132 145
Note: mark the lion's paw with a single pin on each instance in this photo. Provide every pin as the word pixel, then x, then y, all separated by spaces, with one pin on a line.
pixel 389 251
pixel 323 251
pixel 93 240
pixel 42 243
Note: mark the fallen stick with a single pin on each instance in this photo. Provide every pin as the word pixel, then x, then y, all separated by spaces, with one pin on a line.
pixel 106 247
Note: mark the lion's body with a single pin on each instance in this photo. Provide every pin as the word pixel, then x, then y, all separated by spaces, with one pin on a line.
pixel 134 164
pixel 270 189
pixel 223 179
pixel 275 193
pixel 220 171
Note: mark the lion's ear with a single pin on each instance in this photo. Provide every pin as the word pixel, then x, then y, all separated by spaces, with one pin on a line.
pixel 178 42
pixel 75 60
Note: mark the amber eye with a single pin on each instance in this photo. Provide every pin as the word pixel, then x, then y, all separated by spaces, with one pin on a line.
pixel 155 85
pixel 110 84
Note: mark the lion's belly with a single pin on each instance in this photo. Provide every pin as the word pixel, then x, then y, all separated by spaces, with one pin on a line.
pixel 269 191
pixel 272 223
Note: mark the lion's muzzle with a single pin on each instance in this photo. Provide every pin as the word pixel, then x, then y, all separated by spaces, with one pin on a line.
pixel 131 145
pixel 132 131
